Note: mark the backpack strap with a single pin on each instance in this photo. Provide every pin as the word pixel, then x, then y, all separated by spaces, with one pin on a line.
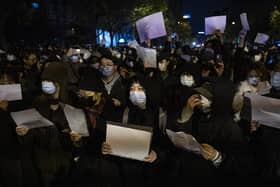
pixel 162 120
pixel 125 116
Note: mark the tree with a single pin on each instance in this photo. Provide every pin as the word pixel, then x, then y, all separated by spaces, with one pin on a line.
pixel 274 23
pixel 183 29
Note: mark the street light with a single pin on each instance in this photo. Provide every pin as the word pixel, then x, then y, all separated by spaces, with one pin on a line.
pixel 233 23
pixel 187 16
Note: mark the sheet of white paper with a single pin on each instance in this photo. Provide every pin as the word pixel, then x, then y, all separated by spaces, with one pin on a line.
pixel 215 23
pixel 77 120
pixel 261 38
pixel 10 92
pixel 86 53
pixel 244 21
pixel 133 44
pixel 151 27
pixel 30 118
pixel 148 56
pixel 184 141
pixel 128 143
pixel 265 110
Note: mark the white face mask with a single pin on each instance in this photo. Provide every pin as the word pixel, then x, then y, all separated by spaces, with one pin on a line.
pixel 11 57
pixel 137 98
pixel 187 80
pixel 254 81
pixel 48 87
pixel 258 57
pixel 162 66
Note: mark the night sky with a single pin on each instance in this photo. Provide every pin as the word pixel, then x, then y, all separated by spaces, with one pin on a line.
pixel 203 8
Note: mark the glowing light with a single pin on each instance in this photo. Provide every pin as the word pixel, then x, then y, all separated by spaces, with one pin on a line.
pixel 35 5
pixel 187 16
pixel 121 40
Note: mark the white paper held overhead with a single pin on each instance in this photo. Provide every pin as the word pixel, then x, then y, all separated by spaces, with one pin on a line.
pixel 244 21
pixel 261 38
pixel 215 23
pixel 151 27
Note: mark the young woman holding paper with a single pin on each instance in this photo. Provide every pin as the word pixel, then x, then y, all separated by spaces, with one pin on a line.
pixel 141 111
pixel 53 147
pixel 16 167
pixel 223 146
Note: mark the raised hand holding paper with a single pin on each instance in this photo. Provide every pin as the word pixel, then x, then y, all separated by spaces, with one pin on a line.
pixel 244 21
pixel 151 27
pixel 261 38
pixel 215 23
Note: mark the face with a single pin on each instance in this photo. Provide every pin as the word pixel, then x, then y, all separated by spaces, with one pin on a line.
pixel 30 59
pixel 50 88
pixel 253 78
pixel 123 72
pixel 107 67
pixel 137 96
pixel 163 65
pixel 187 80
pixel 258 57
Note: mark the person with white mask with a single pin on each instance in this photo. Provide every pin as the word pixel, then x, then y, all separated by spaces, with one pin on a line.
pixel 187 79
pixel 253 84
pixel 114 86
pixel 164 65
pixel 140 112
pixel 53 146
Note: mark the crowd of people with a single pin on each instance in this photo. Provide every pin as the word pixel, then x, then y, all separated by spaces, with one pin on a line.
pixel 200 91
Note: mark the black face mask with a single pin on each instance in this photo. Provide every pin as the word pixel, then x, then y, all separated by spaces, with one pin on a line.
pixel 83 102
pixel 53 101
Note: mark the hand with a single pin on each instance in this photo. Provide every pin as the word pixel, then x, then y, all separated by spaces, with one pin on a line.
pixel 242 34
pixel 208 152
pixel 254 126
pixel 4 105
pixel 116 102
pixel 220 69
pixel 21 131
pixel 106 149
pixel 75 137
pixel 193 101
pixel 151 157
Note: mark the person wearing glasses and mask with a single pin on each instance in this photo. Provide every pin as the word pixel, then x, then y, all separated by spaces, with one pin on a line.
pixel 114 87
